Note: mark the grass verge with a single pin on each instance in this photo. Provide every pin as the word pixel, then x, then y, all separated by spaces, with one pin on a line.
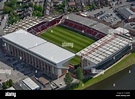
pixel 124 63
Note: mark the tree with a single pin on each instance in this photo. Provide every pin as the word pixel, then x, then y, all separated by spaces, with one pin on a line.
pixel 10 82
pixel 94 6
pixel 4 85
pixel 61 10
pixel 34 13
pixel 68 79
pixel 39 14
pixel 69 9
pixel 7 84
pixel 7 3
pixel 13 18
pixel 13 2
pixel 30 4
pixel 35 7
pixel 40 8
pixel 79 73
pixel 7 9
pixel 90 8
pixel 87 8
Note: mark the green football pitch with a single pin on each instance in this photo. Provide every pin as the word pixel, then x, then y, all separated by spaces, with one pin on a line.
pixel 67 39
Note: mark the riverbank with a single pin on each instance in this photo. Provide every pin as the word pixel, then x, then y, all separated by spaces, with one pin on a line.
pixel 124 63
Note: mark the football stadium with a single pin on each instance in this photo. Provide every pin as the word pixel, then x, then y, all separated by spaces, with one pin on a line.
pixel 55 45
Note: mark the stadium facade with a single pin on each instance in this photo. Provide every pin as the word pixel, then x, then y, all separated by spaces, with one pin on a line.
pixel 110 47
pixel 53 60
pixel 35 51
pixel 105 51
pixel 86 26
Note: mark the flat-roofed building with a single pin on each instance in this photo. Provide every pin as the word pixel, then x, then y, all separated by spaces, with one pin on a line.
pixel 127 14
pixel 30 84
pixel 43 55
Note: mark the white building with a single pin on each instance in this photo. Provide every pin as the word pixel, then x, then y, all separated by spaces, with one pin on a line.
pixel 122 30
pixel 43 55
pixel 30 84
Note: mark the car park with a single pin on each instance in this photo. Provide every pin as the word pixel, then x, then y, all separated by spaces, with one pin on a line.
pixel 14 63
pixel 99 13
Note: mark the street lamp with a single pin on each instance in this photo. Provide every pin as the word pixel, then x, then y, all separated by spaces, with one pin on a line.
pixel 124 24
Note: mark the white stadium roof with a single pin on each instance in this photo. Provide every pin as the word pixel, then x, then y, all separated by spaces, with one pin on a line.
pixel 39 46
pixel 25 39
pixel 52 52
pixel 104 48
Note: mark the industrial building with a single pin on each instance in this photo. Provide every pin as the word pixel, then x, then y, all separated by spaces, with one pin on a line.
pixel 127 13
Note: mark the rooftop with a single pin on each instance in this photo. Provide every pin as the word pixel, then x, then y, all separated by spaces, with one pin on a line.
pixel 30 83
pixel 52 52
pixel 104 48
pixel 88 22
pixel 71 3
pixel 43 80
pixel 126 12
pixel 23 24
pixel 122 30
pixel 25 39
pixel 101 27
pixel 39 46
pixel 80 19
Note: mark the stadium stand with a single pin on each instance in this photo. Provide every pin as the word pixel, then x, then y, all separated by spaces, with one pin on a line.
pixel 43 26
pixel 87 30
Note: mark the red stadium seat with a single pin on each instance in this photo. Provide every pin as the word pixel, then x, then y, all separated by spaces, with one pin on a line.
pixel 43 25
pixel 99 36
